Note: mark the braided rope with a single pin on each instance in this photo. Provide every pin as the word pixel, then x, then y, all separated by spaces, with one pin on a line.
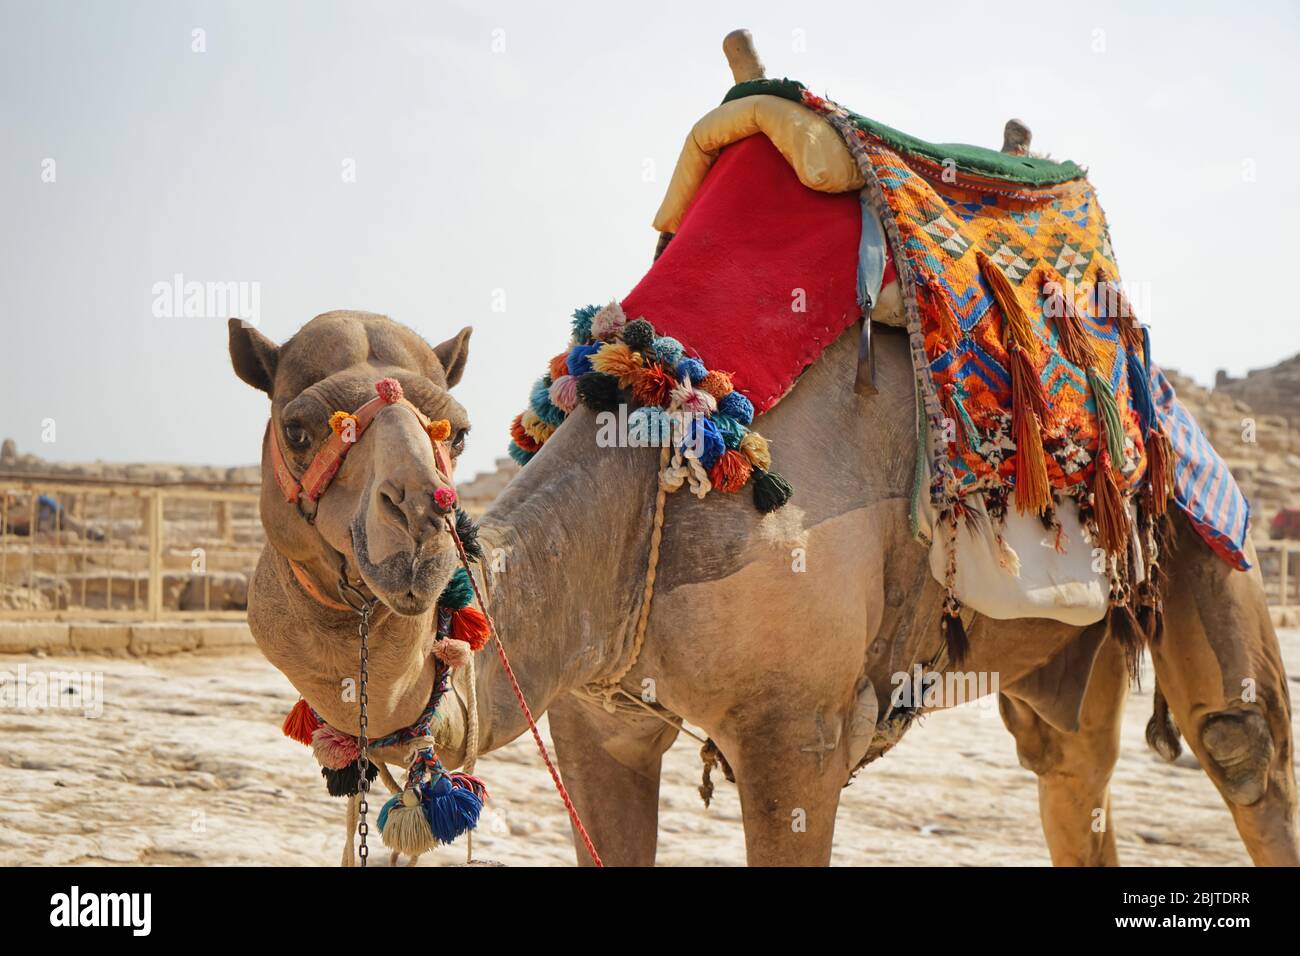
pixel 609 686
pixel 523 704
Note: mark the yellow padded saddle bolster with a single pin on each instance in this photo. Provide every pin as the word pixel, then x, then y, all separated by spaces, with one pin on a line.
pixel 809 144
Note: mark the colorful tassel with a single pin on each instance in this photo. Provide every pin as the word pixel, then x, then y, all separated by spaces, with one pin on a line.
pixel 539 402
pixel 580 359
pixel 965 436
pixel 1160 470
pixel 1076 343
pixel 535 428
pixel 1033 491
pixel 582 326
pixel 521 437
pixel 1109 424
pixel 599 392
pixel 954 634
pixel 344 425
pixel 1108 507
pixel 619 361
pixel 458 592
pixel 300 723
pixel 717 384
pixel 471 626
pixel 771 491
pixel 730 472
pixel 467 531
pixel 333 748
pixel 564 393
pixel 346 781
pixel 451 807
pixel 738 407
pixel 608 321
pixel 452 652
pixel 754 447
pixel 638 335
pixel 667 350
pixel 404 826
pixel 559 366
pixel 653 386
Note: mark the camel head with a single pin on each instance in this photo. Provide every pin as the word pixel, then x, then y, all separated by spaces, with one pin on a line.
pixel 378 512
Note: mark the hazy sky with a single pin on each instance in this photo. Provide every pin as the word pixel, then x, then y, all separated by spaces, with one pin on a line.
pixel 516 152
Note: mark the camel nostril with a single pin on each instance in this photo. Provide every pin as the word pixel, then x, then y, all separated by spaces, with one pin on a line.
pixel 391 497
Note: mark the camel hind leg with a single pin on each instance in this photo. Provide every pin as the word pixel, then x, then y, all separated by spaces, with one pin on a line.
pixel 1220 668
pixel 1074 768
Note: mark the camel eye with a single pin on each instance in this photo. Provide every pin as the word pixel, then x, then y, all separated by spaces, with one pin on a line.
pixel 297 436
pixel 458 440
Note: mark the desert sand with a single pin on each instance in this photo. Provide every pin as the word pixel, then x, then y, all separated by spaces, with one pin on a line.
pixel 186 766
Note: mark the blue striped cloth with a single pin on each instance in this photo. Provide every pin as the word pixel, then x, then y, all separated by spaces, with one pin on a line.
pixel 1203 486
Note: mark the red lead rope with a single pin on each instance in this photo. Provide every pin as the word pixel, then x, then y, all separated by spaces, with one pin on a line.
pixel 523 704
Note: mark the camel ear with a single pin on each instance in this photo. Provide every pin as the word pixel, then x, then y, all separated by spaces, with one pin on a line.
pixel 253 355
pixel 453 353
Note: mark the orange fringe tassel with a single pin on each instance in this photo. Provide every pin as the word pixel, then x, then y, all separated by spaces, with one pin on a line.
pixel 469 625
pixel 1108 506
pixel 1076 344
pixel 1028 403
pixel 1160 470
pixel 300 723
pixel 1126 322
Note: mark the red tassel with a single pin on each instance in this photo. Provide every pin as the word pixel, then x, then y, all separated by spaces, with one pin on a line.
pixel 469 625
pixel 300 723
pixel 1108 506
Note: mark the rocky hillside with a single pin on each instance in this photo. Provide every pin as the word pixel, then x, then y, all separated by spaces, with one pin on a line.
pixel 1269 391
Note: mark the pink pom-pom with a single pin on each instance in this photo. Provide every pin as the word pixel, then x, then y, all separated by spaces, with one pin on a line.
pixel 693 401
pixel 564 393
pixel 333 748
pixel 389 389
pixel 452 652
pixel 445 498
pixel 608 321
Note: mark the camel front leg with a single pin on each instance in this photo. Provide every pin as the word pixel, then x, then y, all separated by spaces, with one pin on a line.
pixel 1074 769
pixel 610 764
pixel 1220 668
pixel 353 814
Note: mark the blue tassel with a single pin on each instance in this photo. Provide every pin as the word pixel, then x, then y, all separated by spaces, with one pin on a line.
pixel 391 802
pixel 691 370
pixel 1140 387
pixel 667 350
pixel 520 456
pixel 705 436
pixel 737 406
pixel 450 810
pixel 582 322
pixel 580 359
pixel 540 402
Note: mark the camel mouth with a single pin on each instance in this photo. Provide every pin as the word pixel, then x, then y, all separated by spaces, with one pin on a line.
pixel 408 583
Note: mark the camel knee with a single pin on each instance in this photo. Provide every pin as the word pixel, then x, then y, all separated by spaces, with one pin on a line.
pixel 1085 758
pixel 1241 749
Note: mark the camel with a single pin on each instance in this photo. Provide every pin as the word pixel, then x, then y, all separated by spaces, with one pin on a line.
pixel 789 673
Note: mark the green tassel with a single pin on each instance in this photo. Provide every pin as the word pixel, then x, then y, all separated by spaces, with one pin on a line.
pixel 771 491
pixel 1108 415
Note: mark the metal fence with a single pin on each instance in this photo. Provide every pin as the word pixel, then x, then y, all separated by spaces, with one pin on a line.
pixel 74 549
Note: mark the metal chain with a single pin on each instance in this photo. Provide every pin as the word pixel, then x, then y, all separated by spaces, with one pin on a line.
pixel 363 761
pixel 353 597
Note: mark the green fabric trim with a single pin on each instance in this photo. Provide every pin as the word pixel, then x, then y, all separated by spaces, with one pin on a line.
pixel 1022 170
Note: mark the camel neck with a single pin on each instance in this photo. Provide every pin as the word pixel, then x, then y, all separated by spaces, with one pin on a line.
pixel 565 548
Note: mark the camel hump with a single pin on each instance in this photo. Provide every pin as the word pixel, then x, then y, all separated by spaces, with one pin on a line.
pixel 738 45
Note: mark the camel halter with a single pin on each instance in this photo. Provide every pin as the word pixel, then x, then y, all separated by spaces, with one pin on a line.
pixel 346 430
pixel 404 817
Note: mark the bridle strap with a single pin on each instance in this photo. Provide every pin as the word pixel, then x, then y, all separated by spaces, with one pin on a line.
pixel 326 463
pixel 312 590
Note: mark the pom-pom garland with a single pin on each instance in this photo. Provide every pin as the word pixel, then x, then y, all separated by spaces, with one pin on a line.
pixel 680 400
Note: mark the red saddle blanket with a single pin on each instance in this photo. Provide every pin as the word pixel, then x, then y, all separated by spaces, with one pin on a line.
pixel 790 284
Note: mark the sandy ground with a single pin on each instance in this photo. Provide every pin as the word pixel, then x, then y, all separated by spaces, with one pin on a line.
pixel 186 765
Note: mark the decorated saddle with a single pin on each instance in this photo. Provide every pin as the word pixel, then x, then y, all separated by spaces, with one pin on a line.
pixel 1041 417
